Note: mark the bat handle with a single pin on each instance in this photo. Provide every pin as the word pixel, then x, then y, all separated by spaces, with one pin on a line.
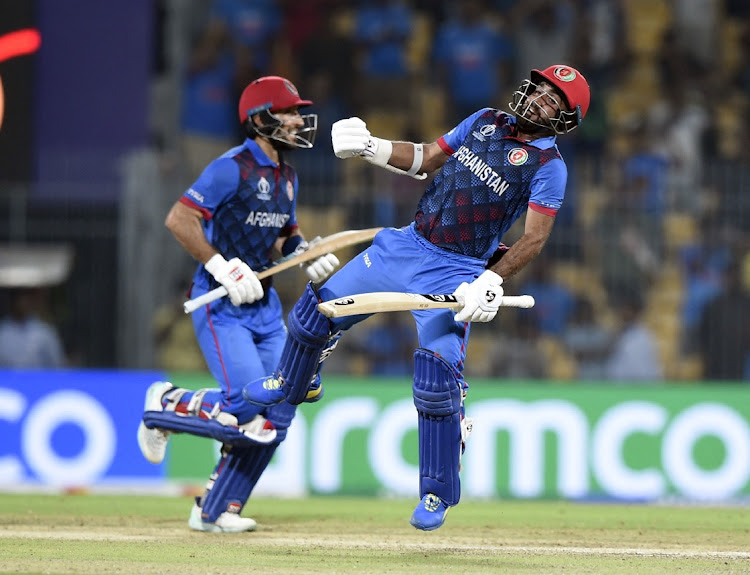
pixel 522 301
pixel 191 305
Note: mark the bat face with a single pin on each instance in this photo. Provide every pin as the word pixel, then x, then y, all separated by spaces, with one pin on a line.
pixel 376 302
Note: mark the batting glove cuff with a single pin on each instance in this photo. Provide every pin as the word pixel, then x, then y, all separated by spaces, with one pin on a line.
pixel 216 265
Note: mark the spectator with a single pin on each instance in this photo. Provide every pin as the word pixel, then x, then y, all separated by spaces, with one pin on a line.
pixel 545 33
pixel 704 265
pixel 602 54
pixel 554 301
pixel 472 58
pixel 234 47
pixel 587 340
pixel 253 30
pixel 381 35
pixel 390 344
pixel 208 120
pixel 26 340
pixel 628 242
pixel 518 353
pixel 724 330
pixel 318 167
pixel 635 355
pixel 698 26
pixel 681 121
pixel 329 52
pixel 645 171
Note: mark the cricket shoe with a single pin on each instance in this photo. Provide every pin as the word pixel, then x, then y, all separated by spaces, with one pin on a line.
pixel 153 442
pixel 225 523
pixel 430 513
pixel 266 392
pixel 315 392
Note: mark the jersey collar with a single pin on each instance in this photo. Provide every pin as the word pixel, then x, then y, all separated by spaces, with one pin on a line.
pixel 258 154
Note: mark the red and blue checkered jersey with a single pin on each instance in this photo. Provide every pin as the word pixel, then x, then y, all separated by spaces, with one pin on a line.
pixel 487 183
pixel 247 202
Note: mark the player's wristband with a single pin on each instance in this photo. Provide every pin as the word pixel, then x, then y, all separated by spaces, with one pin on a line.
pixel 292 244
pixel 416 165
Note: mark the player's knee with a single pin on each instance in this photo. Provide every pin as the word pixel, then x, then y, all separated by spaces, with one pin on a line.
pixel 437 388
pixel 306 323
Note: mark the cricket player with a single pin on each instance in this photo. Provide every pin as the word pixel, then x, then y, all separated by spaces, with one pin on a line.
pixel 240 210
pixel 491 168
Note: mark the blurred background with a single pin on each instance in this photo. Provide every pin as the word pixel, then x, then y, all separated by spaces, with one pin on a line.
pixel 122 106
pixel 646 278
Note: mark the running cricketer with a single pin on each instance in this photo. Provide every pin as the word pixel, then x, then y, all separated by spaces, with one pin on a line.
pixel 491 169
pixel 235 216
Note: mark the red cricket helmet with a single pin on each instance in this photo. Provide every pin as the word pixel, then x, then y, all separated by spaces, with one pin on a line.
pixel 271 93
pixel 571 84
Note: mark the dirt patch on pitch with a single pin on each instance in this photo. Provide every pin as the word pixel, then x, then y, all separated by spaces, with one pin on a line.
pixel 327 541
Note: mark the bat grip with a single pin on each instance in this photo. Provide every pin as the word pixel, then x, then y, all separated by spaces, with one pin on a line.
pixel 191 305
pixel 522 301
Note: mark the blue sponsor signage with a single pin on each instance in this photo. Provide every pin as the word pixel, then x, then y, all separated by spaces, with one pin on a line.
pixel 73 428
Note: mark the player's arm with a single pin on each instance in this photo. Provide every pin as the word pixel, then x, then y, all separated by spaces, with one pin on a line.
pixel 402 156
pixel 350 137
pixel 536 232
pixel 186 225
pixel 547 194
pixel 483 297
pixel 241 283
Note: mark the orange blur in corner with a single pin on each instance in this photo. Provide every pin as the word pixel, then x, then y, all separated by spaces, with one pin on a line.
pixel 18 43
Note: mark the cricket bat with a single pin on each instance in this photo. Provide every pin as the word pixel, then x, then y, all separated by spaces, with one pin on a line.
pixel 375 302
pixel 317 248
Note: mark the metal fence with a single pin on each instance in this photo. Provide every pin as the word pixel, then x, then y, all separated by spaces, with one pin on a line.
pixel 673 281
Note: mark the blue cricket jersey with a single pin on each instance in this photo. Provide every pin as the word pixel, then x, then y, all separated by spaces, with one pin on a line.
pixel 247 202
pixel 487 183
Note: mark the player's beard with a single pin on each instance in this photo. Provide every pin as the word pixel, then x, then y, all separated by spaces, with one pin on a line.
pixel 528 127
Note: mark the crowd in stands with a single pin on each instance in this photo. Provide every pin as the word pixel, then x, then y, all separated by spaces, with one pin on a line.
pixel 647 273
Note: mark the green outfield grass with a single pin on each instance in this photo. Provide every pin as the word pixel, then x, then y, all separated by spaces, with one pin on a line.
pixel 149 535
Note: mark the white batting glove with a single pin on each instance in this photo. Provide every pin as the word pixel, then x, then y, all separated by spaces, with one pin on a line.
pixel 481 298
pixel 349 137
pixel 243 286
pixel 319 269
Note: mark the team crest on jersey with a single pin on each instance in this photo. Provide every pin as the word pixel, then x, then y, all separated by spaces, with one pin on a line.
pixel 518 156
pixel 264 189
pixel 290 190
pixel 565 74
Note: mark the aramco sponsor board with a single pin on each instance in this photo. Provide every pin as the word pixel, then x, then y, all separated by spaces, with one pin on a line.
pixel 67 429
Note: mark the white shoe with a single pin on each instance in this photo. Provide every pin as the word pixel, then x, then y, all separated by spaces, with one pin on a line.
pixel 226 523
pixel 153 442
